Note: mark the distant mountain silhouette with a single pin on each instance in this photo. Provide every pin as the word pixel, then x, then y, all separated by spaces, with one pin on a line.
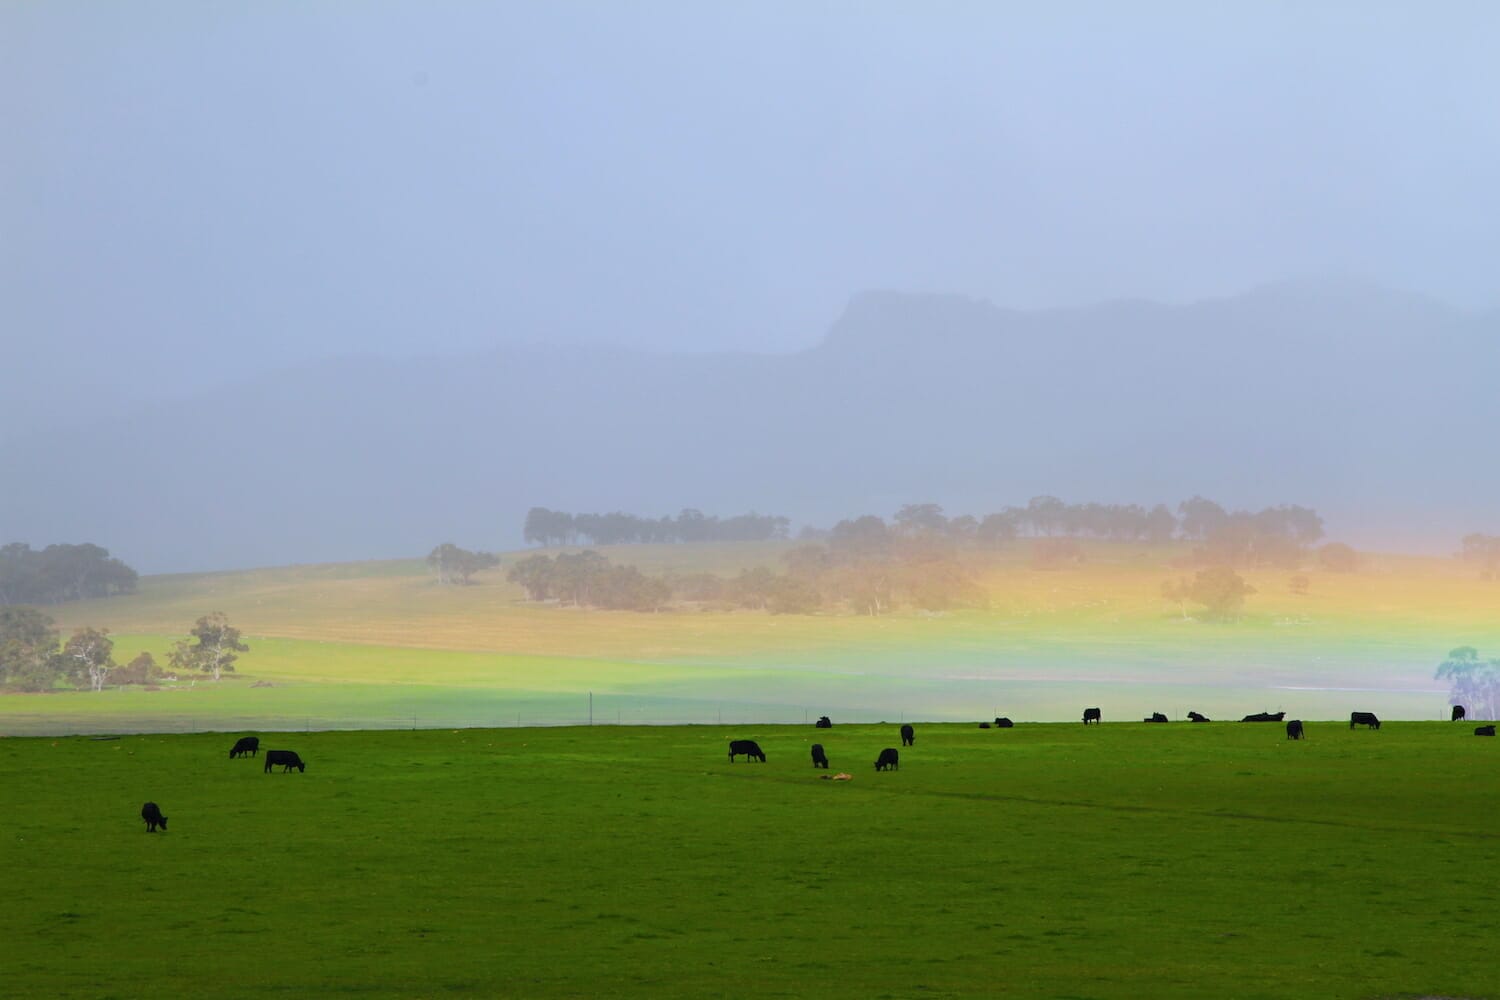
pixel 1375 407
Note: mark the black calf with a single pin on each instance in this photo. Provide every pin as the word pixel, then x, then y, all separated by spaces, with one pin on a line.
pixel 153 817
pixel 1294 729
pixel 889 758
pixel 908 736
pixel 820 759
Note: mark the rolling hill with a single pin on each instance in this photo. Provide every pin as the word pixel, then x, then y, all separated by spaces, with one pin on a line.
pixel 1370 406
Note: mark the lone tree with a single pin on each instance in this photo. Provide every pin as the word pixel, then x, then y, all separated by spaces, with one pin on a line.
pixel 215 649
pixel 454 565
pixel 89 655
pixel 1472 682
pixel 141 670
pixel 1221 591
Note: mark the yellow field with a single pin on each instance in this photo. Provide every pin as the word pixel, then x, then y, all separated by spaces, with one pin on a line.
pixel 366 641
pixel 1116 593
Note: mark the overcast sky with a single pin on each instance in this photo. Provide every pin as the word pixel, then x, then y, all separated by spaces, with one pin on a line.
pixel 256 183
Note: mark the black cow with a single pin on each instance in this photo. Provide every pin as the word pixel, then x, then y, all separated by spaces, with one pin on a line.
pixel 984 725
pixel 245 745
pixel 1294 729
pixel 1458 714
pixel 749 748
pixel 908 736
pixel 1092 715
pixel 820 759
pixel 1003 723
pixel 1265 717
pixel 1195 717
pixel 824 722
pixel 1363 719
pixel 288 759
pixel 1156 717
pixel 889 758
pixel 153 817
pixel 1484 730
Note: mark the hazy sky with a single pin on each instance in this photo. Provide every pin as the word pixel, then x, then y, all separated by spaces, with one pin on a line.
pixel 252 184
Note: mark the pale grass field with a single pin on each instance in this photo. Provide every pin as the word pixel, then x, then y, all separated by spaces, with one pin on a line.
pixel 1050 641
pixel 1115 597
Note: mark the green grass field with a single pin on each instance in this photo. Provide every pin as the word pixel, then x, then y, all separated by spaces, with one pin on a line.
pixel 1046 861
pixel 379 644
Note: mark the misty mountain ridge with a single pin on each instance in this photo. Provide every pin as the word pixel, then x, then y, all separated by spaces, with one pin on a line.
pixel 1371 406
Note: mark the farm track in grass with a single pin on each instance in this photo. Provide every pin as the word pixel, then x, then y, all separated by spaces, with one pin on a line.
pixel 1046 861
pixel 380 644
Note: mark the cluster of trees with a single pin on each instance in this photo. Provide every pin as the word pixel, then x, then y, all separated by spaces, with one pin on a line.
pixel 591 580
pixel 555 527
pixel 455 566
pixel 33 657
pixel 1273 536
pixel 1473 683
pixel 60 573
pixel 1484 552
pixel 848 573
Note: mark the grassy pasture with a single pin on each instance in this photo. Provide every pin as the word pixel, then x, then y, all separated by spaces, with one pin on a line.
pixel 1054 860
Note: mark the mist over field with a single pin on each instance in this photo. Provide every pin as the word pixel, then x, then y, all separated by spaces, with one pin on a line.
pixel 296 286
pixel 293 285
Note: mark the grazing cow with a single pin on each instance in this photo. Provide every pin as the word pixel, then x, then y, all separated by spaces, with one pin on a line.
pixel 1092 715
pixel 1458 714
pixel 245 745
pixel 889 758
pixel 1265 717
pixel 1156 717
pixel 1294 729
pixel 288 759
pixel 908 736
pixel 1363 719
pixel 749 748
pixel 1003 723
pixel 1484 730
pixel 984 725
pixel 1195 717
pixel 153 817
pixel 820 759
pixel 824 722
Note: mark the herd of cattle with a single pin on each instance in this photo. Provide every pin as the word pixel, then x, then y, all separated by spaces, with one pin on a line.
pixel 245 746
pixel 1294 730
pixel 890 757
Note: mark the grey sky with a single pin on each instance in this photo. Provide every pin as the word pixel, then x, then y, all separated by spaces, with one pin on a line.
pixel 257 183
